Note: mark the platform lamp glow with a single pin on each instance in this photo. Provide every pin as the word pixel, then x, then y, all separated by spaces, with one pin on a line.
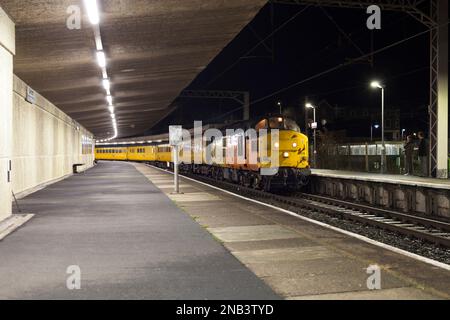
pixel 378 85
pixel 310 106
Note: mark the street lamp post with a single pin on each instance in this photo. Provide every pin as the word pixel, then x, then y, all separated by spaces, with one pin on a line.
pixel 279 105
pixel 376 126
pixel 376 84
pixel 310 106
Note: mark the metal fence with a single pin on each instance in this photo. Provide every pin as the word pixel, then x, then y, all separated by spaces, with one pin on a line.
pixel 363 157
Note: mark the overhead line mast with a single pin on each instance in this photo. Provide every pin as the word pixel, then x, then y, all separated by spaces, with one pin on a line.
pixel 436 20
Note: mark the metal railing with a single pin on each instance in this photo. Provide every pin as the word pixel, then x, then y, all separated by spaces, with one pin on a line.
pixel 363 157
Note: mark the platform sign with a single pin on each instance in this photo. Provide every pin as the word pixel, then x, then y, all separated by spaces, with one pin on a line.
pixel 175 135
pixel 31 96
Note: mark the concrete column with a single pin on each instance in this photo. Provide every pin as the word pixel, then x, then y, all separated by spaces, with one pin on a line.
pixel 442 110
pixel 7 50
pixel 247 106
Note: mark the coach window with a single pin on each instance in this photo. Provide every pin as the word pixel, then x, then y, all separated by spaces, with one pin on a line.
pixel 261 125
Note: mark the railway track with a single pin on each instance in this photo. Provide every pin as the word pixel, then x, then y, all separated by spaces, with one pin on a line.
pixel 433 231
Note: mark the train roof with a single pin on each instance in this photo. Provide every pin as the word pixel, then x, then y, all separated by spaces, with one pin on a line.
pixel 164 138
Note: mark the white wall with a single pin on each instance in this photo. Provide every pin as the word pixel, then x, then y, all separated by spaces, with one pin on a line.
pixel 46 142
pixel 7 50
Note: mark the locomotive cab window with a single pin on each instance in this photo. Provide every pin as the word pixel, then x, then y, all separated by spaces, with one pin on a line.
pixel 283 124
pixel 261 125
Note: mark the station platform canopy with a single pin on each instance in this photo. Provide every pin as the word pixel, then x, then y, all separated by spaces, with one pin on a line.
pixel 154 50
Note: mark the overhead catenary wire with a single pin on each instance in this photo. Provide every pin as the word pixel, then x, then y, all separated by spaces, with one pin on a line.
pixel 344 64
pixel 337 67
pixel 365 84
pixel 342 30
pixel 257 45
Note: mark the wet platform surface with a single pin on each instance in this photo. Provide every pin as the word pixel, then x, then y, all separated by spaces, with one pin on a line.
pixel 298 259
pixel 385 178
pixel 129 240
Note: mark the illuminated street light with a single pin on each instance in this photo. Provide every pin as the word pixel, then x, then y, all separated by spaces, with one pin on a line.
pixel 376 126
pixel 310 106
pixel 279 105
pixel 377 85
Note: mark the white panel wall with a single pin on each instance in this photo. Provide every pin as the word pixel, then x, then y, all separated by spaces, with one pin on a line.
pixel 7 47
pixel 46 142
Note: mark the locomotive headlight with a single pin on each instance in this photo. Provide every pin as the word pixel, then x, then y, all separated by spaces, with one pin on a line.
pixel 294 145
pixel 286 155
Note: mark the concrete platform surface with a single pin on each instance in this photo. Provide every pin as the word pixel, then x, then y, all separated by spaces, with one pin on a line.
pixel 298 259
pixel 128 239
pixel 385 178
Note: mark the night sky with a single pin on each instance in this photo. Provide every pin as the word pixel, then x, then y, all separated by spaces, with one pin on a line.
pixel 315 40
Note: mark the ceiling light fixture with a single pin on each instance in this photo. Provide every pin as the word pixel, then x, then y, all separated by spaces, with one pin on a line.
pixel 106 84
pixel 101 59
pixel 92 10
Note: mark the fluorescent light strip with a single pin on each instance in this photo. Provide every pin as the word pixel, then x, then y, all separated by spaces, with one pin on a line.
pixel 101 59
pixel 92 10
pixel 98 38
pixel 106 84
pixel 94 17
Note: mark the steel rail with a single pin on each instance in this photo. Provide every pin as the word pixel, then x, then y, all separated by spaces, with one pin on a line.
pixel 426 229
